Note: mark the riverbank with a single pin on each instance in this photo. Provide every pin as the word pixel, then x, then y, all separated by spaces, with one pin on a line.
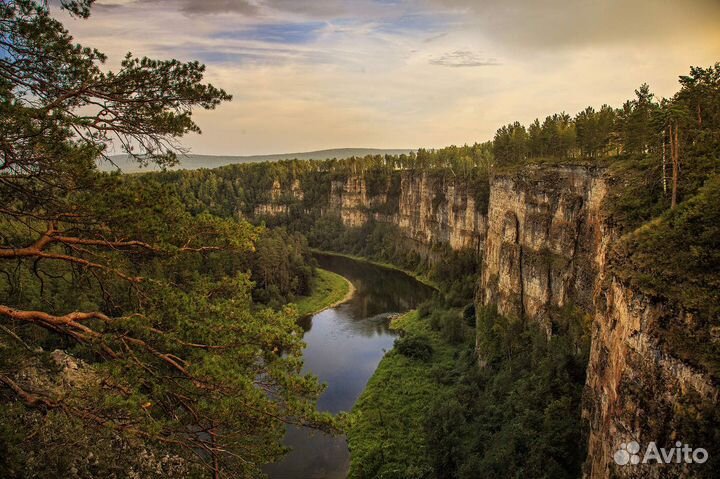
pixel 330 290
pixel 343 347
pixel 361 259
pixel 387 436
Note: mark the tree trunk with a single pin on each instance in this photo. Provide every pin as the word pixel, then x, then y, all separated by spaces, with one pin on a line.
pixel 675 152
pixel 664 163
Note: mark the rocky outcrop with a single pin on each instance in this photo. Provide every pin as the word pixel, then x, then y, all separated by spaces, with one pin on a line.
pixel 349 200
pixel 429 210
pixel 76 388
pixel 279 204
pixel 543 238
pixel 435 210
pixel 636 390
pixel 546 246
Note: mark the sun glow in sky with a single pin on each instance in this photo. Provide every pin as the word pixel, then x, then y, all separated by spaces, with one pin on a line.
pixel 308 75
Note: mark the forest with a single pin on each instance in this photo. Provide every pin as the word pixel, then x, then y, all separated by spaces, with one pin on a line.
pixel 645 137
pixel 146 326
pixel 137 338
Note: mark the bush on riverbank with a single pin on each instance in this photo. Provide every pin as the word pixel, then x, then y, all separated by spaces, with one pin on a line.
pixel 414 347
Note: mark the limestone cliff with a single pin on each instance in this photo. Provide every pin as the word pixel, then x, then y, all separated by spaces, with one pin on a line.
pixel 278 205
pixel 433 210
pixel 636 390
pixel 542 241
pixel 547 244
pixel 428 210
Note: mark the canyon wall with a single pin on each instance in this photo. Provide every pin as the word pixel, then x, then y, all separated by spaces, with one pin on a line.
pixel 277 204
pixel 636 390
pixel 547 246
pixel 544 243
pixel 429 210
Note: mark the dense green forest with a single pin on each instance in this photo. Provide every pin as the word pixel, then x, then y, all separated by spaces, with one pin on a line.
pixel 659 152
pixel 518 413
pixel 432 411
pixel 666 146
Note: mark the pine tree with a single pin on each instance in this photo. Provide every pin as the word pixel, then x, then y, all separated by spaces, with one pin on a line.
pixel 116 272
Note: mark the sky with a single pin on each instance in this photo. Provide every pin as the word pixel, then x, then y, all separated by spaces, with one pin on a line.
pixel 309 75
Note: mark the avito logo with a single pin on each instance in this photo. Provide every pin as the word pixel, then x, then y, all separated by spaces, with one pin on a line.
pixel 630 454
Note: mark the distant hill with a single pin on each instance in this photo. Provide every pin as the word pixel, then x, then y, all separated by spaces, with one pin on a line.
pixel 193 162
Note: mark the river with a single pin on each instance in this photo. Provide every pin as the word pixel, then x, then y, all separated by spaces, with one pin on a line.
pixel 344 346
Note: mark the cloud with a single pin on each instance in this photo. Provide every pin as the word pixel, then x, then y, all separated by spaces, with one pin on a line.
pixel 563 24
pixel 238 56
pixel 435 37
pixel 463 58
pixel 293 33
pixel 198 7
pixel 258 8
pixel 316 8
pixel 307 75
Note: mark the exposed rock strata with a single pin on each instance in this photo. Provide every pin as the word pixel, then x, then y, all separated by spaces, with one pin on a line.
pixel 542 241
pixel 429 211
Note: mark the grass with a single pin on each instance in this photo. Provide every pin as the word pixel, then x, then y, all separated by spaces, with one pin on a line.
pixel 330 290
pixel 676 258
pixel 419 277
pixel 386 434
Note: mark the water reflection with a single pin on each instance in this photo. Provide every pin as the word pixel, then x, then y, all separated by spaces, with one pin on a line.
pixel 344 346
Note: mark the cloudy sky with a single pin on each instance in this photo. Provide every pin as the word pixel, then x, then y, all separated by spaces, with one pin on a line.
pixel 309 75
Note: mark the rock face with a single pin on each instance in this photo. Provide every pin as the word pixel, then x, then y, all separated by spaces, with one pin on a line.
pixel 635 390
pixel 432 210
pixel 547 244
pixel 428 210
pixel 276 206
pixel 349 200
pixel 543 237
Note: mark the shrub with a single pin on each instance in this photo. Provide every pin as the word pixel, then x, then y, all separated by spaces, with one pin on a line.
pixel 449 323
pixel 469 314
pixel 425 308
pixel 414 347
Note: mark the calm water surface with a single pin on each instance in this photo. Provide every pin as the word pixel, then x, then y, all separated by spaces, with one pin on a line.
pixel 344 346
